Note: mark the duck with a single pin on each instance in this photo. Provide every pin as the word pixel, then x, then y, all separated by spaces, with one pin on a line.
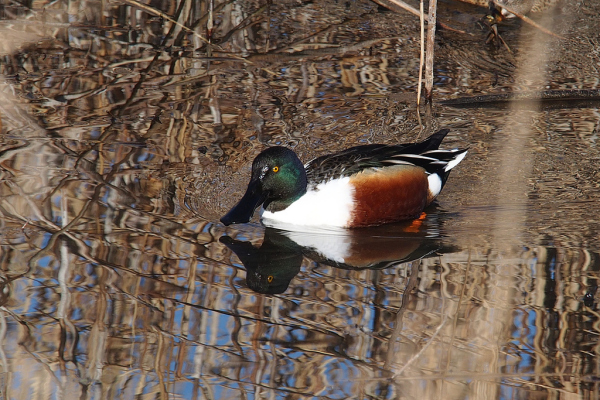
pixel 361 186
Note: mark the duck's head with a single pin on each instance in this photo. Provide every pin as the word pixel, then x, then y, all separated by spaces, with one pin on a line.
pixel 278 179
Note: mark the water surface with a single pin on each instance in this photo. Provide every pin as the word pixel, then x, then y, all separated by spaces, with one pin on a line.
pixel 125 136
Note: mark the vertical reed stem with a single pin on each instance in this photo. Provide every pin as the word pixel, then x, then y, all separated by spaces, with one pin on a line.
pixel 421 62
pixel 431 21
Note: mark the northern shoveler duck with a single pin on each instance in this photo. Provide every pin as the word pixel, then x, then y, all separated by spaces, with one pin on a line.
pixel 361 186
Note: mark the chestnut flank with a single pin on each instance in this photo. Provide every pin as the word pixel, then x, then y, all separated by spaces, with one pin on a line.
pixel 388 195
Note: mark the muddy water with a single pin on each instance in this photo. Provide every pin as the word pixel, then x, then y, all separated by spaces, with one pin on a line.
pixel 125 136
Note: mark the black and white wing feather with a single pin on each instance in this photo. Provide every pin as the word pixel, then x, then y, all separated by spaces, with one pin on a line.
pixel 425 154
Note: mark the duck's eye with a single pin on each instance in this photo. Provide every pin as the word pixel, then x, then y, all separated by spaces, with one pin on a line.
pixel 275 169
pixel 270 277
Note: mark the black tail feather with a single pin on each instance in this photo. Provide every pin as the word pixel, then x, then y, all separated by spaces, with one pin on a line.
pixel 433 142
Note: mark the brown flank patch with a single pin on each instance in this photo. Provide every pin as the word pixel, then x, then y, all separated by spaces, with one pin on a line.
pixel 389 194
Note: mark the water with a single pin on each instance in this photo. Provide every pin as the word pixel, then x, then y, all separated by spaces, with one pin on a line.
pixel 117 160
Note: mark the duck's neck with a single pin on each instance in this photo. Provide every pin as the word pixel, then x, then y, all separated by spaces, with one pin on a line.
pixel 282 204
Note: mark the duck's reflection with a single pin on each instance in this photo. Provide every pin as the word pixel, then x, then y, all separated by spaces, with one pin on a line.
pixel 272 266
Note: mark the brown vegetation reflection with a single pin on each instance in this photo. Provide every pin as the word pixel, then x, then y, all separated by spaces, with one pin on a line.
pixel 127 128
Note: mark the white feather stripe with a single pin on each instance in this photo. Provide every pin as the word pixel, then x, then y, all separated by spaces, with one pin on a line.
pixel 416 156
pixel 399 162
pixel 453 163
pixel 442 151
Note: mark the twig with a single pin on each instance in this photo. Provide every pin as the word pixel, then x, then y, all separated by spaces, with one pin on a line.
pixel 495 35
pixel 526 19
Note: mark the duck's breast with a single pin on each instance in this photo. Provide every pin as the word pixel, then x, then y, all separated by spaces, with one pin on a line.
pixel 328 204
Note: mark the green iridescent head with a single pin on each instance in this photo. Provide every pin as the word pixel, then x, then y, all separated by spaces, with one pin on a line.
pixel 278 179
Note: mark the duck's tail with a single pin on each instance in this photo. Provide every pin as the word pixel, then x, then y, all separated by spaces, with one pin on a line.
pixel 433 142
pixel 439 170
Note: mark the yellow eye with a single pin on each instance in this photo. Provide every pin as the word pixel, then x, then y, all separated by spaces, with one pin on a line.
pixel 275 169
pixel 270 277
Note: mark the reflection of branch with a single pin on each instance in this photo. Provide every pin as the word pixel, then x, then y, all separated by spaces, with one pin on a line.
pixel 8 152
pixel 82 247
pixel 3 330
pixel 303 325
pixel 216 9
pixel 15 117
pixel 55 229
pixel 278 56
pixel 489 376
pixel 461 298
pixel 317 33
pixel 241 25
pixel 410 286
pixel 443 295
pixel 143 74
pixel 429 342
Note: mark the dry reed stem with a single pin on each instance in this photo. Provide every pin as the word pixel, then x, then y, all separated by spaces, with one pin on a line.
pixel 421 60
pixel 431 18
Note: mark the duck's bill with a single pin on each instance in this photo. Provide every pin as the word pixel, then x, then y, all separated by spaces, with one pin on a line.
pixel 244 210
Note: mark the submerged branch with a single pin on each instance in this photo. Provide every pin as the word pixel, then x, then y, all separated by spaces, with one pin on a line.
pixel 566 98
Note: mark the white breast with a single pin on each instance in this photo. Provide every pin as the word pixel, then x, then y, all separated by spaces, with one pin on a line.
pixel 330 204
